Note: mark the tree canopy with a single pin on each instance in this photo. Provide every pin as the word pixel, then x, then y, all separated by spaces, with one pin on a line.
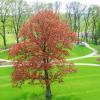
pixel 44 41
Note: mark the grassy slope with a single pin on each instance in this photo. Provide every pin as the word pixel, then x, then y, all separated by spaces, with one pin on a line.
pixel 78 51
pixel 83 85
pixel 93 45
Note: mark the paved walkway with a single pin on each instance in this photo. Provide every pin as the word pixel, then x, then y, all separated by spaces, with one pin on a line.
pixel 4 50
pixel 7 63
pixel 93 54
pixel 87 64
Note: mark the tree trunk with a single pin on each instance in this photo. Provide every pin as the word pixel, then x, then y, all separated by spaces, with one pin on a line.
pixel 17 39
pixel 86 28
pixel 4 37
pixel 70 20
pixel 95 40
pixel 4 41
pixel 78 39
pixel 75 27
pixel 78 29
pixel 48 89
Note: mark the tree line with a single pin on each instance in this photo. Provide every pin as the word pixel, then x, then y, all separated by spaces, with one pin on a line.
pixel 85 19
pixel 81 18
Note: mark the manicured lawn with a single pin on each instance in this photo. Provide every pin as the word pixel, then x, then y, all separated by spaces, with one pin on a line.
pixel 10 38
pixel 4 55
pixel 78 51
pixel 92 60
pixel 83 85
pixel 93 45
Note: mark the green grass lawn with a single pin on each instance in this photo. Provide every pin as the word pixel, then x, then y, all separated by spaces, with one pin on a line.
pixel 92 60
pixel 10 38
pixel 78 51
pixel 4 55
pixel 83 85
pixel 93 45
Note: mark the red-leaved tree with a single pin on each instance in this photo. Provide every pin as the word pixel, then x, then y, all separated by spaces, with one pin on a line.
pixel 44 42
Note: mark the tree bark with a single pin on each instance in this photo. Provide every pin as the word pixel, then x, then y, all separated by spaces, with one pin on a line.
pixel 78 28
pixel 4 37
pixel 95 39
pixel 17 39
pixel 48 88
pixel 75 27
pixel 4 41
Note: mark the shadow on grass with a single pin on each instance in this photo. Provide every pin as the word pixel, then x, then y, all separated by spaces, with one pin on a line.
pixel 28 96
pixel 34 96
pixel 71 97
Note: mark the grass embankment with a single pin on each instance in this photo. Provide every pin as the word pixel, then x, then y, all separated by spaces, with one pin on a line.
pixel 83 85
pixel 78 51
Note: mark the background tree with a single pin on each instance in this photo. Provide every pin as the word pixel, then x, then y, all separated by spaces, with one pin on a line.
pixel 75 10
pixel 95 15
pixel 20 12
pixel 39 6
pixel 50 6
pixel 86 14
pixel 80 10
pixel 97 35
pixel 69 15
pixel 4 13
pixel 74 6
pixel 40 53
pixel 57 6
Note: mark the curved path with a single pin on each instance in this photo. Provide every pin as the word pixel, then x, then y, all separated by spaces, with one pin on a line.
pixel 4 50
pixel 93 54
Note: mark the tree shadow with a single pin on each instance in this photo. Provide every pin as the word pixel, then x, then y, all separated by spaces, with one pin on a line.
pixel 24 96
pixel 28 96
pixel 34 96
pixel 71 97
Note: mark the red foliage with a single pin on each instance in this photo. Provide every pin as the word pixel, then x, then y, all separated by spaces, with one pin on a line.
pixel 44 41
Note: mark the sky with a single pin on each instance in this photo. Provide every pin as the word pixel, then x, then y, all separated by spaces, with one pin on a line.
pixel 86 2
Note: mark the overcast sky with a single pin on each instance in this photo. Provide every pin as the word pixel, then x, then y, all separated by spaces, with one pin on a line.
pixel 86 2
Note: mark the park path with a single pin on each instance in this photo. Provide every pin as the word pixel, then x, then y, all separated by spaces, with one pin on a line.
pixel 93 54
pixel 4 61
pixel 82 64
pixel 7 63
